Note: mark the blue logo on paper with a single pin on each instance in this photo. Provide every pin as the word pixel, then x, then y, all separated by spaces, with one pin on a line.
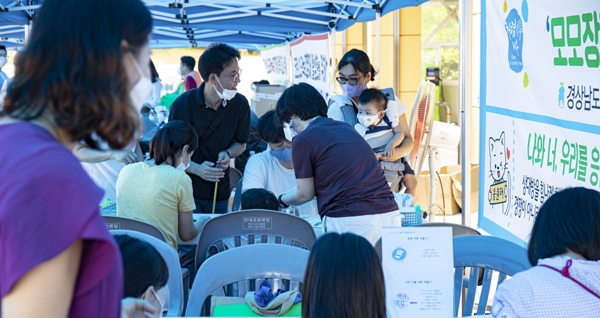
pixel 514 30
pixel 399 254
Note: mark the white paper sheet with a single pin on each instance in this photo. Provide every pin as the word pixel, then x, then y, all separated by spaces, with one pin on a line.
pixel 418 266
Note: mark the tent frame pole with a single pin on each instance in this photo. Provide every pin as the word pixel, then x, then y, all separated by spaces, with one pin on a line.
pixel 397 52
pixel 465 110
pixel 332 62
pixel 377 45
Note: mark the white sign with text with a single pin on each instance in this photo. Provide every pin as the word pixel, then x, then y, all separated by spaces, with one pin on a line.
pixel 418 265
pixel 310 62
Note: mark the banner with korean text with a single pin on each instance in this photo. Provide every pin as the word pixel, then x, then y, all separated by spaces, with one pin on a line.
pixel 277 60
pixel 310 62
pixel 540 108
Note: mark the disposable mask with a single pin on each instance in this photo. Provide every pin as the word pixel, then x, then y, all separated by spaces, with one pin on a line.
pixel 183 167
pixel 367 120
pixel 3 61
pixel 227 94
pixel 284 154
pixel 289 132
pixel 353 90
pixel 161 303
pixel 141 90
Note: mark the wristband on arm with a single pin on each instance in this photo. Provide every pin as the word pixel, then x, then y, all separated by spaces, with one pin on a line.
pixel 281 203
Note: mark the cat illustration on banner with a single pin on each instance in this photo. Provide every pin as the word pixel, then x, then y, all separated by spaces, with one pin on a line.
pixel 499 192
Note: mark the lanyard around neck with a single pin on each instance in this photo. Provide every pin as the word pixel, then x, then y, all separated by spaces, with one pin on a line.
pixel 565 272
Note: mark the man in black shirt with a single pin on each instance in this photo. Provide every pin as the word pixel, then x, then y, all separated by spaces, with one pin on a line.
pixel 221 118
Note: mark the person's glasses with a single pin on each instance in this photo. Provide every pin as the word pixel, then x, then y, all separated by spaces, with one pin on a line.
pixel 350 81
pixel 235 75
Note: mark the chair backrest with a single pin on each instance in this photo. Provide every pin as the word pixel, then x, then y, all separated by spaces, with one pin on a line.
pixel 123 223
pixel 171 258
pixel 487 253
pixel 251 262
pixel 457 230
pixel 270 226
pixel 109 210
pixel 234 177
pixel 237 198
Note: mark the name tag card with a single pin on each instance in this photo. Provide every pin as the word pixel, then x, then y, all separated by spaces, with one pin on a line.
pixel 418 265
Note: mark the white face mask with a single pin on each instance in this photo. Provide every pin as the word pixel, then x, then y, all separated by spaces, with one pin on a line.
pixel 3 61
pixel 183 167
pixel 227 94
pixel 367 120
pixel 160 301
pixel 141 90
pixel 289 132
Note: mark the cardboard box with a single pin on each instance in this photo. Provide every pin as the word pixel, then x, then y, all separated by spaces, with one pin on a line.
pixel 264 97
pixel 457 188
pixel 443 192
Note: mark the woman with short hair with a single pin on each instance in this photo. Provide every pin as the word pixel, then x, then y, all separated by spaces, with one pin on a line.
pixel 335 164
pixel 564 249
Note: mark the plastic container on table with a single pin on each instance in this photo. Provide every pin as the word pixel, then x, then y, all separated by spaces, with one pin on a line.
pixel 411 216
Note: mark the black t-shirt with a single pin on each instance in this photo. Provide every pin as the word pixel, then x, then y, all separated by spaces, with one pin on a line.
pixel 217 130
pixel 348 178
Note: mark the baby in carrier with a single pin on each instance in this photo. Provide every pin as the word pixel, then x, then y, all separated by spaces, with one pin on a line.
pixel 378 124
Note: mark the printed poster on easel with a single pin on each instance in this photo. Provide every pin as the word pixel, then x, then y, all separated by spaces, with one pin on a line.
pixel 310 62
pixel 277 59
pixel 540 108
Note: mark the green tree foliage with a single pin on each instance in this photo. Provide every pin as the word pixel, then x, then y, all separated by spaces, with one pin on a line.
pixel 431 17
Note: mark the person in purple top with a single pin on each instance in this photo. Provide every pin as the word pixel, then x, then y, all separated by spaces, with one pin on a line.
pixel 82 76
pixel 333 162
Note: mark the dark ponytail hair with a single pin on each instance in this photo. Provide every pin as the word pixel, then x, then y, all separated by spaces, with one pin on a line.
pixel 170 140
pixel 359 60
pixel 153 73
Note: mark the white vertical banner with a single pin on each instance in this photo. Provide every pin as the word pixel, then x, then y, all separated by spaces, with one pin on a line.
pixel 277 62
pixel 540 105
pixel 310 62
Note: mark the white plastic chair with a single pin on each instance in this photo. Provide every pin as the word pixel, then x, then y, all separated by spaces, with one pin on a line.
pixel 487 253
pixel 247 263
pixel 114 222
pixel 175 281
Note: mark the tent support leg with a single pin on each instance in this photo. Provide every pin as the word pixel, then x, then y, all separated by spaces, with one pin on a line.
pixel 377 45
pixel 465 108
pixel 397 51
pixel 344 42
pixel 332 62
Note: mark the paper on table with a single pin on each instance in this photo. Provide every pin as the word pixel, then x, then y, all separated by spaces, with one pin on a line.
pixel 418 265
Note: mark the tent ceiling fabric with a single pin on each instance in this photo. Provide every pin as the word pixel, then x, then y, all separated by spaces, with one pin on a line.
pixel 187 23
